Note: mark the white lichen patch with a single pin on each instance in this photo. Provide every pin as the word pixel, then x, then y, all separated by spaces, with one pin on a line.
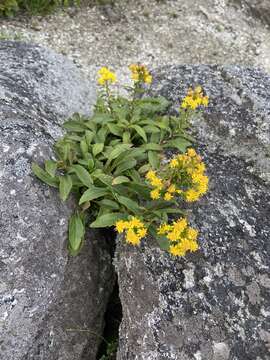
pixel 221 351
pixel 189 281
pixel 248 228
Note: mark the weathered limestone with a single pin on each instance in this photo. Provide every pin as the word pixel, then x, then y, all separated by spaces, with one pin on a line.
pixel 51 305
pixel 213 304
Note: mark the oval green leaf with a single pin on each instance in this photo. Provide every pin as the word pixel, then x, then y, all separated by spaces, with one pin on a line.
pixel 107 220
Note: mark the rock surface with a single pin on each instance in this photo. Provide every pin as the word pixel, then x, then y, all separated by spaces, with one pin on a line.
pixel 51 306
pixel 259 8
pixel 213 304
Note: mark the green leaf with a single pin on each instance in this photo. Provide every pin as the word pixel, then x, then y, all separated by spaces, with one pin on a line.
pixel 129 204
pixel 89 135
pixel 83 175
pixel 109 204
pixel 104 178
pixel 126 137
pixel 129 164
pixel 102 118
pixel 140 131
pixel 92 193
pixel 44 176
pixel 97 148
pixel 84 147
pixel 101 135
pixel 119 149
pixel 76 231
pixel 65 186
pixel 115 129
pixel 152 146
pixel 143 169
pixel 151 129
pixel 76 126
pixel 153 159
pixel 135 176
pixel 50 167
pixel 128 155
pixel 140 189
pixel 163 242
pixel 155 137
pixel 179 143
pixel 120 179
pixel 107 220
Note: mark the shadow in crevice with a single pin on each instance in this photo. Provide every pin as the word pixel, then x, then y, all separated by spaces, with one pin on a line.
pixel 113 315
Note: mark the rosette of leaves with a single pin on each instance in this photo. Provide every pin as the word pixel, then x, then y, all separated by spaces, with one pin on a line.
pixel 103 159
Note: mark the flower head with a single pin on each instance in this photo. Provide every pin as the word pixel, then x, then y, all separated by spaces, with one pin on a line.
pixel 182 238
pixel 140 73
pixel 155 194
pixel 135 230
pixel 188 175
pixel 106 76
pixel 194 99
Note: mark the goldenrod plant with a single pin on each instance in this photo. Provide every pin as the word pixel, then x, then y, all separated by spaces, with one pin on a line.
pixel 114 162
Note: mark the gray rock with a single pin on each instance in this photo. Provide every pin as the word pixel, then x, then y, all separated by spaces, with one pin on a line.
pixel 258 8
pixel 51 305
pixel 213 304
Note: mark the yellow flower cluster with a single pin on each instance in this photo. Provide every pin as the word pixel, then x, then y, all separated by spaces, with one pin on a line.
pixel 140 73
pixel 160 187
pixel 106 76
pixel 191 168
pixel 182 238
pixel 156 182
pixel 186 178
pixel 194 99
pixel 135 230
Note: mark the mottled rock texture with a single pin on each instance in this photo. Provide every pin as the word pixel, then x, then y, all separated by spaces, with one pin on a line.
pixel 213 304
pixel 51 305
pixel 258 8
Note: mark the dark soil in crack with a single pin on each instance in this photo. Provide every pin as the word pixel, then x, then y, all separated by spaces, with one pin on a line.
pixel 113 316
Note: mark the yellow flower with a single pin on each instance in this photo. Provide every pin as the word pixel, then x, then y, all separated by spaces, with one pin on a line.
pixel 183 247
pixel 154 180
pixel 182 237
pixel 173 163
pixel 155 194
pixel 150 175
pixel 205 101
pixel 106 76
pixel 168 196
pixel 180 225
pixel 164 228
pixel 173 236
pixel 178 191
pixel 200 166
pixel 193 246
pixel 132 237
pixel 191 152
pixel 135 229
pixel 191 195
pixel 177 250
pixel 142 232
pixel 140 73
pixel 192 234
pixel 135 222
pixel 171 189
pixel 120 226
pixel 194 99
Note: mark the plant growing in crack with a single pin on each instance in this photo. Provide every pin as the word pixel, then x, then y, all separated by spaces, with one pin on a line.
pixel 115 164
